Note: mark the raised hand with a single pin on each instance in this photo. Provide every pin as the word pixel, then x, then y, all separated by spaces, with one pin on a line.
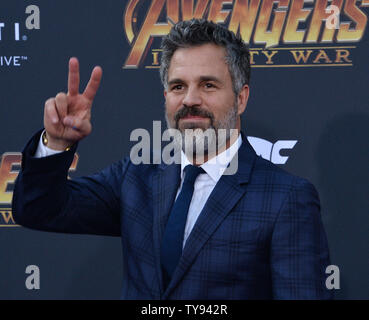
pixel 67 116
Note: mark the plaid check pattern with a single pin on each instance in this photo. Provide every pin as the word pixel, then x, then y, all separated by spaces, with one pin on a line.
pixel 259 236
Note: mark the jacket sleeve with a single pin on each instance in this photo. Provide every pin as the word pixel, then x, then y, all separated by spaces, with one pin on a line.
pixel 45 199
pixel 299 248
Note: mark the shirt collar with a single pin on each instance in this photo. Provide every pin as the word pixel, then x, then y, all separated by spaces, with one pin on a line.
pixel 216 166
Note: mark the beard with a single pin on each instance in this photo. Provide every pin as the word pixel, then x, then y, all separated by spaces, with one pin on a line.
pixel 197 141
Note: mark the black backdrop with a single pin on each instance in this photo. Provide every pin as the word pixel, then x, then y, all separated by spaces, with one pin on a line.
pixel 323 106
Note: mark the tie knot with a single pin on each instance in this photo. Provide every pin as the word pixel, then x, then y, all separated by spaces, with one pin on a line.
pixel 191 173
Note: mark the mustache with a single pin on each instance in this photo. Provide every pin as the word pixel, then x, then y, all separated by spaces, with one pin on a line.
pixel 192 111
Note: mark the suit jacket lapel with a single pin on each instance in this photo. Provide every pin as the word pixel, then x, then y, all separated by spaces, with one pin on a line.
pixel 227 192
pixel 165 185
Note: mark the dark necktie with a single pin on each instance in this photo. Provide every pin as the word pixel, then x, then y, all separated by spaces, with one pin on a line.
pixel 172 243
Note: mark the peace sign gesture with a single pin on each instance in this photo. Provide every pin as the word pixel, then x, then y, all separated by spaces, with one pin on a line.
pixel 67 116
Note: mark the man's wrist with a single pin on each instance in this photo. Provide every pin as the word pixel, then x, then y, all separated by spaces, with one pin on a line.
pixel 54 145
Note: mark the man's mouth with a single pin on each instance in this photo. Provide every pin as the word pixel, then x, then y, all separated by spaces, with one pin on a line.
pixel 190 117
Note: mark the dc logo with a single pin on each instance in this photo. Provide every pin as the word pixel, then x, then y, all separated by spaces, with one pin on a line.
pixel 271 151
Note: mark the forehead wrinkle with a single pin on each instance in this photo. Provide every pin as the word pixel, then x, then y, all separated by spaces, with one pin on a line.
pixel 198 79
pixel 184 56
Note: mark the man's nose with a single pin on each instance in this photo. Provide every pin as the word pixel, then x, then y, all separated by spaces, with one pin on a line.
pixel 192 98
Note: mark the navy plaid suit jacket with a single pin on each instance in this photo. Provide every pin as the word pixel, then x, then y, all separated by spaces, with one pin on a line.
pixel 259 236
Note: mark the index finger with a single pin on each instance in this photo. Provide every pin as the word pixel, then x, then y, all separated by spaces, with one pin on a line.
pixel 73 77
pixel 93 84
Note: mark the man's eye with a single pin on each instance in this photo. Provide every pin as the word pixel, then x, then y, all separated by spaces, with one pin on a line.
pixel 209 85
pixel 177 87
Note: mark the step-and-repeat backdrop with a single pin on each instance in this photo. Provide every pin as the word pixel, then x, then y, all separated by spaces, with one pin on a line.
pixel 308 113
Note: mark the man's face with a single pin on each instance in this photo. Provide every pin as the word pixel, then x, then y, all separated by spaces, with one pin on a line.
pixel 200 92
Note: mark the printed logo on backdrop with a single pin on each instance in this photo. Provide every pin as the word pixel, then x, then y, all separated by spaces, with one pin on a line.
pixel 280 33
pixel 271 151
pixel 9 169
pixel 16 32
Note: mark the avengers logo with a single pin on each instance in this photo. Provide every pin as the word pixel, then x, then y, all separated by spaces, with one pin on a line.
pixel 9 168
pixel 261 23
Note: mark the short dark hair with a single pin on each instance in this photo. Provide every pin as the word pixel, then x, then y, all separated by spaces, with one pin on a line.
pixel 196 32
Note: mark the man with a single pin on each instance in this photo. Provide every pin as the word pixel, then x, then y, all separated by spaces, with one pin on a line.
pixel 189 230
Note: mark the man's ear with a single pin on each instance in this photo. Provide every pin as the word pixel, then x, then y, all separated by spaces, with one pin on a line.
pixel 242 99
pixel 165 93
